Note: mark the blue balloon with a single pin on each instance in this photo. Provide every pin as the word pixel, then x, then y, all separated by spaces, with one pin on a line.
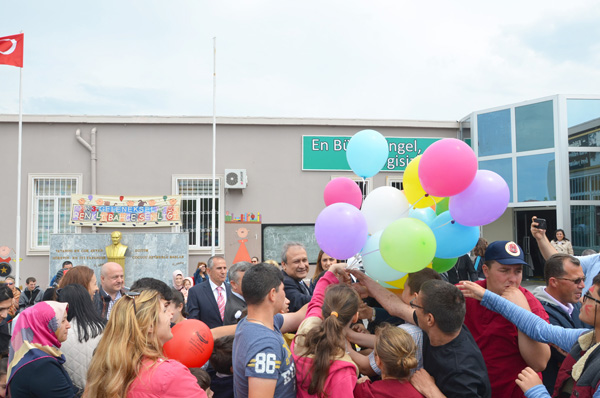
pixel 427 215
pixel 367 152
pixel 375 266
pixel 453 239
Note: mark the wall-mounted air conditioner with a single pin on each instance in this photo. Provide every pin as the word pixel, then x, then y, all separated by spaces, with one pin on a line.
pixel 236 178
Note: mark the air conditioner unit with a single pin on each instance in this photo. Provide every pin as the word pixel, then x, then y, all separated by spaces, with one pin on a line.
pixel 236 178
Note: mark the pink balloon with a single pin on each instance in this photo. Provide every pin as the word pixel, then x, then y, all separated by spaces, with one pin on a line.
pixel 343 190
pixel 341 230
pixel 483 202
pixel 447 167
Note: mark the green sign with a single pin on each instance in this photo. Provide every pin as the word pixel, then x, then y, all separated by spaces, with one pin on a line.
pixel 329 152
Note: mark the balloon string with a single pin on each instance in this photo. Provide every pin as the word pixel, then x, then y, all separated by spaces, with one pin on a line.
pixel 417 202
pixel 373 251
pixel 446 223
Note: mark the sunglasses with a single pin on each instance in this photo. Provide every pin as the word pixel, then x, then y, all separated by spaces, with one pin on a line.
pixel 575 281
pixel 588 296
pixel 132 296
pixel 10 283
pixel 413 305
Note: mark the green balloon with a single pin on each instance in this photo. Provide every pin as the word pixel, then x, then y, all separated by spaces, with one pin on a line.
pixel 407 245
pixel 443 264
pixel 442 206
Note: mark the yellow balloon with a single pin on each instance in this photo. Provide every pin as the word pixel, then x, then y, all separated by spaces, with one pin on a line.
pixel 412 186
pixel 399 283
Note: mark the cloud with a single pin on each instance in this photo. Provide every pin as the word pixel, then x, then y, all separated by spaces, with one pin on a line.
pixel 350 59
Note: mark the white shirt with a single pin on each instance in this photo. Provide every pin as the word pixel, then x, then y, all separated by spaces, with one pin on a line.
pixel 214 287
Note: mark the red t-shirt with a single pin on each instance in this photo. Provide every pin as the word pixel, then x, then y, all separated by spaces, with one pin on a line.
pixel 497 339
pixel 386 389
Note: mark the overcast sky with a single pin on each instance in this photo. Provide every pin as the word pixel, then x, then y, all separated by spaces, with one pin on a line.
pixel 431 60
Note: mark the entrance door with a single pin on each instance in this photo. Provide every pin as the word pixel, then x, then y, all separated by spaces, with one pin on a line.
pixel 528 242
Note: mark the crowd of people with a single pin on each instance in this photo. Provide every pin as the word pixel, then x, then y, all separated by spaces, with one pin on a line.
pixel 280 332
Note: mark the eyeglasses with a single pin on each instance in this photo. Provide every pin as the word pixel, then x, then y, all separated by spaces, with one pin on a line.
pixel 575 281
pixel 132 296
pixel 10 283
pixel 413 305
pixel 588 296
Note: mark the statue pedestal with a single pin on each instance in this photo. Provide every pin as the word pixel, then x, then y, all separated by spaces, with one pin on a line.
pixel 154 255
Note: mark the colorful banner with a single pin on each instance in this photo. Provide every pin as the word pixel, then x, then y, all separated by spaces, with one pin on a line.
pixel 125 211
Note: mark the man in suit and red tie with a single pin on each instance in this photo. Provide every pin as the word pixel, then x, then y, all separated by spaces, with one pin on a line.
pixel 207 300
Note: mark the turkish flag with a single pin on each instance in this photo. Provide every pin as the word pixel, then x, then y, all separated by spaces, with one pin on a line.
pixel 11 50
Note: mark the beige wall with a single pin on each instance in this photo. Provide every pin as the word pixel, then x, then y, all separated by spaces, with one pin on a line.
pixel 140 155
pixel 501 229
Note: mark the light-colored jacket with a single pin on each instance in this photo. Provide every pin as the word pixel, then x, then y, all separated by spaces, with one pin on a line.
pixel 78 355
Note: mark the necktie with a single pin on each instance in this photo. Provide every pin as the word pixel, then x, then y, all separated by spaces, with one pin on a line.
pixel 304 288
pixel 221 302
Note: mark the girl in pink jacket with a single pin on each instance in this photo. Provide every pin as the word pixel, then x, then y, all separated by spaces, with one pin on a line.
pixel 323 368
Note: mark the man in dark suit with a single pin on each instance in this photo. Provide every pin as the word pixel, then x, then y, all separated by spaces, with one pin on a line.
pixel 207 300
pixel 294 262
pixel 236 303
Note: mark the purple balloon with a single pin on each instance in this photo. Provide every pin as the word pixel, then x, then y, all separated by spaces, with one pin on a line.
pixel 483 202
pixel 341 230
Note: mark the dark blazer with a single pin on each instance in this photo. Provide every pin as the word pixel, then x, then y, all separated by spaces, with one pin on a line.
pixel 294 292
pixel 201 304
pixel 233 305
pixel 102 301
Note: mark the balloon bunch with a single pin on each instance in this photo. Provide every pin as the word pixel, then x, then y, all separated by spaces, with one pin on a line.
pixel 431 223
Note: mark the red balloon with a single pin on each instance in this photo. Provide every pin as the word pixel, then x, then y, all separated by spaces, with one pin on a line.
pixel 192 343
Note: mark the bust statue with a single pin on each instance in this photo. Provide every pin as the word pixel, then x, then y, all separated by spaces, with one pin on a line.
pixel 116 251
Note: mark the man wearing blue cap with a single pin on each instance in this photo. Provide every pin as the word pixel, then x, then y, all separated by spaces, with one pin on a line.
pixel 506 350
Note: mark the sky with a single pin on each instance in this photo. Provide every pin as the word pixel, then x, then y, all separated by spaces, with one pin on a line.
pixel 376 59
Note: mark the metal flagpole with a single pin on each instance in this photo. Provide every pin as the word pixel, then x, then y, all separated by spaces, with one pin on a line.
pixel 214 154
pixel 18 240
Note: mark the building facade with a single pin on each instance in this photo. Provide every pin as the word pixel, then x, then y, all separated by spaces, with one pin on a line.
pixel 285 160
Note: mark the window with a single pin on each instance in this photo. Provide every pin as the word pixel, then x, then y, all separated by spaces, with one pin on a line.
pixel 534 126
pixel 394 182
pixel 536 178
pixel 50 208
pixel 493 130
pixel 502 167
pixel 196 210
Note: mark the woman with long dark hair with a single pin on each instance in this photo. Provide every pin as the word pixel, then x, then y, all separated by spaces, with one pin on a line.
pixel 200 275
pixel 324 261
pixel 86 329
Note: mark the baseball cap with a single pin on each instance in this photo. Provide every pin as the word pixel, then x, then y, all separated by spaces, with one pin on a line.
pixel 505 252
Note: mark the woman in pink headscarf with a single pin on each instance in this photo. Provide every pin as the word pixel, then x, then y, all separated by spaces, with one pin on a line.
pixel 35 353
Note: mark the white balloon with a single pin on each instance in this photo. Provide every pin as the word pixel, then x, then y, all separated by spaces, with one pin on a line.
pixel 383 206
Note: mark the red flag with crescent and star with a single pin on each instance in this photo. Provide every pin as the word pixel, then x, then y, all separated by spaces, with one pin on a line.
pixel 11 50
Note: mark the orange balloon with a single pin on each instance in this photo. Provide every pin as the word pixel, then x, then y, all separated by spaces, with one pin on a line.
pixel 192 343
